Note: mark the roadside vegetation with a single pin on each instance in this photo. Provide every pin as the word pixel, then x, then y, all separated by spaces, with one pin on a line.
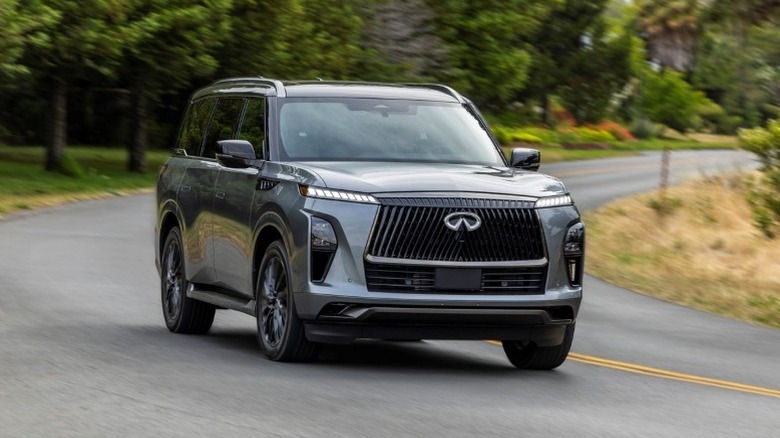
pixel 92 173
pixel 701 250
pixel 713 244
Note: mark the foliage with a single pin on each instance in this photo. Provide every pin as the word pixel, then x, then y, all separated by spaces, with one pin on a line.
pixel 487 41
pixel 672 27
pixel 617 130
pixel 585 134
pixel 669 100
pixel 293 39
pixel 765 143
pixel 578 59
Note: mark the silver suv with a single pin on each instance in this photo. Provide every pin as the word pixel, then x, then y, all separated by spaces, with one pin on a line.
pixel 334 211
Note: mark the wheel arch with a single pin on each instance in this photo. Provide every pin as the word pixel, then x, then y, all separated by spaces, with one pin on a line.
pixel 272 226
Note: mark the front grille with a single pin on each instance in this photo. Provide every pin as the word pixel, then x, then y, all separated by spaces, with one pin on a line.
pixel 414 229
pixel 407 278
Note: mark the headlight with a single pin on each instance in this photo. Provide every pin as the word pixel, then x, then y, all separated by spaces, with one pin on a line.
pixel 339 195
pixel 323 238
pixel 573 252
pixel 323 248
pixel 554 201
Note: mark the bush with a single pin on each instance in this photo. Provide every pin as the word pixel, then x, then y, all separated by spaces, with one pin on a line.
pixel 506 135
pixel 765 194
pixel 617 130
pixel 644 129
pixel 585 134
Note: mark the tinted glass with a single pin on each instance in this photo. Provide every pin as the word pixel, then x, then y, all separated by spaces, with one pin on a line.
pixel 191 136
pixel 253 125
pixel 223 124
pixel 383 130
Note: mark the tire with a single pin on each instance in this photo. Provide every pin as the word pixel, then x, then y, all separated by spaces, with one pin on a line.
pixel 280 331
pixel 182 314
pixel 529 356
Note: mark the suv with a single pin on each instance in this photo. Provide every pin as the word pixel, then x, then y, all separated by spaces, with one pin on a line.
pixel 333 211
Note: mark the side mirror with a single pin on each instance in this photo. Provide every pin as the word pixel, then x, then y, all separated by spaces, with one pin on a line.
pixel 235 153
pixel 526 159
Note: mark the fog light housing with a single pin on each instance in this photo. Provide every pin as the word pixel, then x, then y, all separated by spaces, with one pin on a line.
pixel 323 248
pixel 573 252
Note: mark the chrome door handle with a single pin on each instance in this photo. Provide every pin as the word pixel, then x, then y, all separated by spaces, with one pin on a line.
pixel 186 188
pixel 220 195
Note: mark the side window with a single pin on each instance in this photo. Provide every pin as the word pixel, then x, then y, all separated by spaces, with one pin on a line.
pixel 223 124
pixel 253 125
pixel 194 126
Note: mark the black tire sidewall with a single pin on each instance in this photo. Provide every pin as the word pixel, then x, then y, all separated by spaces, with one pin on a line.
pixel 173 235
pixel 275 249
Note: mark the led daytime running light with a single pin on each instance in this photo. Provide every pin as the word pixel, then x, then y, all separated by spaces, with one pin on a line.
pixel 340 195
pixel 554 201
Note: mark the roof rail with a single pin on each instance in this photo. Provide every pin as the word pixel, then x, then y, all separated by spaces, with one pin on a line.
pixel 439 87
pixel 276 84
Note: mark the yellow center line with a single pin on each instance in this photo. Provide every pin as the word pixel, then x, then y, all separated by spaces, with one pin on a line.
pixel 670 375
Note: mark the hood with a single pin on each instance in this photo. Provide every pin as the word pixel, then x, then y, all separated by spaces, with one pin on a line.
pixel 388 177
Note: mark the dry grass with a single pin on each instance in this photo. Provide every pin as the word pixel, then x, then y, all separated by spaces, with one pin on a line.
pixel 704 253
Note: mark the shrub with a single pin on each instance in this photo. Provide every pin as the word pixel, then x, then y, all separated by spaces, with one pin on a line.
pixel 506 135
pixel 617 130
pixel 585 134
pixel 501 134
pixel 765 194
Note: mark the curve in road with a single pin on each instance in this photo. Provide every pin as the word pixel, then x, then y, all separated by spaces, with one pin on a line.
pixel 84 352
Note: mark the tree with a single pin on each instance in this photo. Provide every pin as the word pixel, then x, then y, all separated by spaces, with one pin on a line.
pixel 671 27
pixel 293 39
pixel 401 35
pixel 168 44
pixel 666 98
pixel 488 45
pixel 739 20
pixel 576 58
pixel 76 41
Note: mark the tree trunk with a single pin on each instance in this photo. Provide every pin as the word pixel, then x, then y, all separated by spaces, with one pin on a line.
pixel 138 144
pixel 58 127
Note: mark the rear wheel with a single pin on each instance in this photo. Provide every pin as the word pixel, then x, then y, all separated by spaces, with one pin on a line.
pixel 529 356
pixel 182 314
pixel 281 332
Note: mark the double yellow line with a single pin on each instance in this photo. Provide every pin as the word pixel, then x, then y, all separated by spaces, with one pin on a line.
pixel 671 375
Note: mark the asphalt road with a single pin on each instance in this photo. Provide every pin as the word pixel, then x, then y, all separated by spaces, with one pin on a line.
pixel 84 351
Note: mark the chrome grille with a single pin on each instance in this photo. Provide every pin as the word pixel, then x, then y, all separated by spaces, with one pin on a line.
pixel 407 278
pixel 414 229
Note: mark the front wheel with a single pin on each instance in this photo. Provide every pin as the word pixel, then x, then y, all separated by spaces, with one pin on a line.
pixel 182 314
pixel 281 332
pixel 529 356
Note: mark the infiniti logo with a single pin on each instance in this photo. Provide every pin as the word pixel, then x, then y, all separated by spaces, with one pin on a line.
pixel 461 219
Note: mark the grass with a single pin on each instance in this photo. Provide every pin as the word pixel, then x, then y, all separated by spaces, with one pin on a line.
pixel 701 250
pixel 24 185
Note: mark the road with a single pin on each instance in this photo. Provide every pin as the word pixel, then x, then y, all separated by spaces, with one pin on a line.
pixel 84 351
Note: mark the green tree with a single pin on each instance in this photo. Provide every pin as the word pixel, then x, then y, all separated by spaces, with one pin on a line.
pixel 576 58
pixel 167 45
pixel 488 43
pixel 671 27
pixel 293 39
pixel 667 99
pixel 76 41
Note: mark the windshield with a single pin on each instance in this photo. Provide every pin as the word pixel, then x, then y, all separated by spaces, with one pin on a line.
pixel 383 130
